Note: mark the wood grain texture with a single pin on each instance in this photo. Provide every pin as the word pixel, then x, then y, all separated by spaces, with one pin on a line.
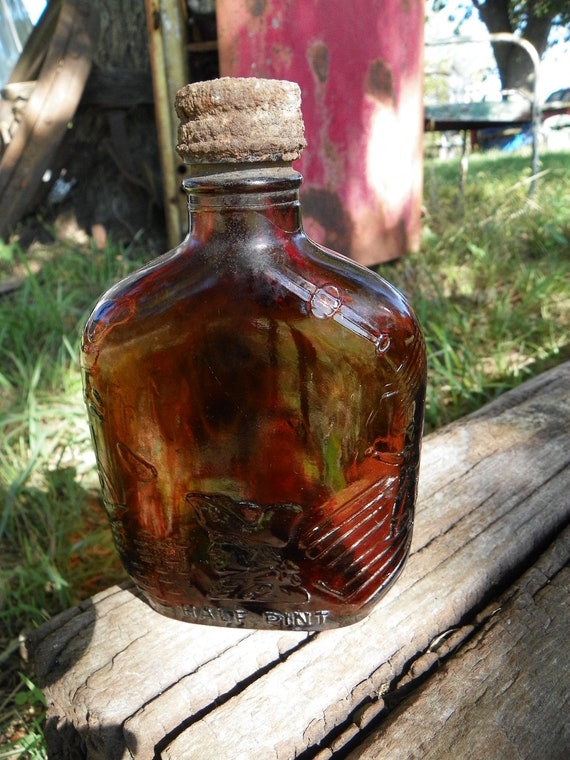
pixel 121 681
pixel 504 693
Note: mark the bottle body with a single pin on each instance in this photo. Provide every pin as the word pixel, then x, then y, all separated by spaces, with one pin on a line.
pixel 256 406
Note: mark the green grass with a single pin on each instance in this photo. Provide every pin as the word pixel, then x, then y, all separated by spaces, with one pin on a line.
pixel 491 287
pixel 54 545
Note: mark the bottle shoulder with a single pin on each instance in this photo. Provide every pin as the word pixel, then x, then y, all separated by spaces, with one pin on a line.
pixel 359 287
pixel 286 276
pixel 148 289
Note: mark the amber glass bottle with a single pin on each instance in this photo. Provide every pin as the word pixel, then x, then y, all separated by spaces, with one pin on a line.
pixel 256 401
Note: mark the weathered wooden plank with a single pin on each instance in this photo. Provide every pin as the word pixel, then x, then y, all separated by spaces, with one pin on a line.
pixel 110 659
pixel 517 667
pixel 51 106
pixel 124 682
pixel 33 55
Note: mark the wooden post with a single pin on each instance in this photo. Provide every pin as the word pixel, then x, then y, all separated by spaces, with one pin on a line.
pixel 167 35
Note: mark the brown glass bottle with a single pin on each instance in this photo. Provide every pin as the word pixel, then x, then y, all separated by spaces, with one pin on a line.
pixel 256 405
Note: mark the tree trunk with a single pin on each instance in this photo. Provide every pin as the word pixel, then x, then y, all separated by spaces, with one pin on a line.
pixel 516 69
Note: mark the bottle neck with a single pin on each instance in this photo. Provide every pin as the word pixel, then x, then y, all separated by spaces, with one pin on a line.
pixel 227 191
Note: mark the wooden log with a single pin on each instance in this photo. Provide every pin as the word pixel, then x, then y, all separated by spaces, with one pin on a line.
pixel 516 663
pixel 121 681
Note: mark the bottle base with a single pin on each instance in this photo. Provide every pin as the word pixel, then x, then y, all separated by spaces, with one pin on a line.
pixel 264 619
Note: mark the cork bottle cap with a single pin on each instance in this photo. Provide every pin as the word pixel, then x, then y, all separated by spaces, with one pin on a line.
pixel 240 120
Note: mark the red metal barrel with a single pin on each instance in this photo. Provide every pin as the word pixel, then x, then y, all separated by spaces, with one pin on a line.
pixel 360 68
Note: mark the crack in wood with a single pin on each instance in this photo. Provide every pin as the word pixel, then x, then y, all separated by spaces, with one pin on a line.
pixel 369 715
pixel 346 738
pixel 239 688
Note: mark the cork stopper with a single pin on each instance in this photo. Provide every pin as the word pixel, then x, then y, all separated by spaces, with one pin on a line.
pixel 239 120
